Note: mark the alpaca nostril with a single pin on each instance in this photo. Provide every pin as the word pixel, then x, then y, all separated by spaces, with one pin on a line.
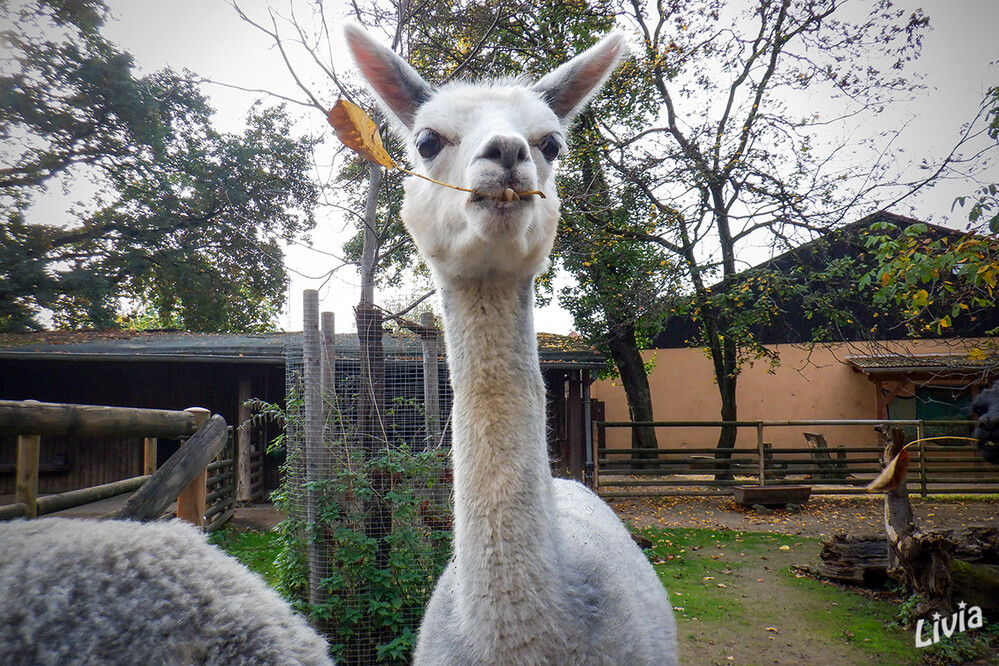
pixel 507 151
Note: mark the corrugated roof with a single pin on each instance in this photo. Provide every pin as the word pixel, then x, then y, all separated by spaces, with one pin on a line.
pixel 878 363
pixel 554 350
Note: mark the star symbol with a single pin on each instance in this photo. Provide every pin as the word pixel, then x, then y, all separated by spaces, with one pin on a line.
pixel 936 616
pixel 962 605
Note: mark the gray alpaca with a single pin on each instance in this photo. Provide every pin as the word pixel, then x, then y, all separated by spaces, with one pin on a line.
pixel 119 592
pixel 543 571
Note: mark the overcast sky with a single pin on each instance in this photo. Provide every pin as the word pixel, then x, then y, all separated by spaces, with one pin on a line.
pixel 206 36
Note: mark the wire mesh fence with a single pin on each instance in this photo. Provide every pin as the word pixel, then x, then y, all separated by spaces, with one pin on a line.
pixel 367 486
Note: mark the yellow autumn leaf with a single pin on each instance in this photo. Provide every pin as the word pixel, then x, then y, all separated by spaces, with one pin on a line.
pixel 892 476
pixel 358 131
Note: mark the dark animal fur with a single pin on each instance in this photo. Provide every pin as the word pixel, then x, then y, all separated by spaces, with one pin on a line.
pixel 986 408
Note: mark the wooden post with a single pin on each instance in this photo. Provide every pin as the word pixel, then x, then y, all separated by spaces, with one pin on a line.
pixel 761 453
pixel 431 375
pixel 244 441
pixel 149 449
pixel 156 495
pixel 575 430
pixel 191 501
pixel 26 488
pixel 920 433
pixel 596 430
pixel 314 426
pixel 327 366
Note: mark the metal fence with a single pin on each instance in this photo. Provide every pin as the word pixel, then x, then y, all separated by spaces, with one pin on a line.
pixel 941 462
pixel 367 488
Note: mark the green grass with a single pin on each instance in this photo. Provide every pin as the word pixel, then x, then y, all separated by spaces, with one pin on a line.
pixel 959 499
pixel 256 550
pixel 701 568
pixel 710 575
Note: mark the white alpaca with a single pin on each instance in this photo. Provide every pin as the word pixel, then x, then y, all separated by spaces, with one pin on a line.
pixel 543 571
pixel 119 592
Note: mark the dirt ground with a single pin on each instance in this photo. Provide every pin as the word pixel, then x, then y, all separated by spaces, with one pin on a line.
pixel 779 633
pixel 822 516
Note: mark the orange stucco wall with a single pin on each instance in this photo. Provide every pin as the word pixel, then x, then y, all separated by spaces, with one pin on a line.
pixel 808 384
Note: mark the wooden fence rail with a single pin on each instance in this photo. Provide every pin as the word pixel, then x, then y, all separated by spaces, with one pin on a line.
pixel 934 467
pixel 183 478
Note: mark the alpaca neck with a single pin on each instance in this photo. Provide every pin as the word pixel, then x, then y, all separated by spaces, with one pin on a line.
pixel 505 535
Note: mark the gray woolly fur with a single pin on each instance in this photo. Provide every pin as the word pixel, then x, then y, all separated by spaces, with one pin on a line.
pixel 119 592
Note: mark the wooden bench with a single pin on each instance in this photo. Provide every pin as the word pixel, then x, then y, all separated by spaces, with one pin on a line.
pixel 771 495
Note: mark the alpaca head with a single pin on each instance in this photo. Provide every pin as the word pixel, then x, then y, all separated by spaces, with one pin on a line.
pixel 496 138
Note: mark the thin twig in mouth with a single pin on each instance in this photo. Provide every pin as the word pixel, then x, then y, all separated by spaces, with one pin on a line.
pixel 509 195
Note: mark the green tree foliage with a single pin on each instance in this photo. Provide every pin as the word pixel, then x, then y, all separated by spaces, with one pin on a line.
pixel 186 225
pixel 939 280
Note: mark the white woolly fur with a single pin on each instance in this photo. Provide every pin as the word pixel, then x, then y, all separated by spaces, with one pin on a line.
pixel 543 571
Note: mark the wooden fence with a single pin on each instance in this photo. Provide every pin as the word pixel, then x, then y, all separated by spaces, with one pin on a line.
pixel 30 420
pixel 936 466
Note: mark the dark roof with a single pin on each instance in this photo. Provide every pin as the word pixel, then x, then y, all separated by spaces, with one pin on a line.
pixel 799 323
pixel 554 350
pixel 875 364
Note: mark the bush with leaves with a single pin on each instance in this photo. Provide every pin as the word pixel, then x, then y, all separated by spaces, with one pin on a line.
pixel 377 580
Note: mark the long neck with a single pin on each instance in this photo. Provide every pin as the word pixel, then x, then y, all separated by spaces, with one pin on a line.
pixel 505 534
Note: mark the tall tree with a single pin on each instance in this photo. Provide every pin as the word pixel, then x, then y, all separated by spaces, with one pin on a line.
pixel 187 220
pixel 728 164
pixel 617 301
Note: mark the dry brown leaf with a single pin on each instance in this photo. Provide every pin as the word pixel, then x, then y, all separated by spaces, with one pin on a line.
pixel 892 476
pixel 358 132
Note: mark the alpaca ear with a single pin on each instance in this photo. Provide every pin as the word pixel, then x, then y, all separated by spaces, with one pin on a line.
pixel 397 85
pixel 570 87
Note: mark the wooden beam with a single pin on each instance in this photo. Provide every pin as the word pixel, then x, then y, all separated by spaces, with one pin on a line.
pixel 29 417
pixel 431 379
pixel 149 452
pixel 26 486
pixel 575 431
pixel 191 500
pixel 190 460
pixel 244 440
pixel 53 503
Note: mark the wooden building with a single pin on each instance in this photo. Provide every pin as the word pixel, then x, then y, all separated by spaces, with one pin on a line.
pixel 220 372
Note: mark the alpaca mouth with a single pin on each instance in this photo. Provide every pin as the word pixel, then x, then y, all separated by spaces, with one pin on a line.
pixel 508 195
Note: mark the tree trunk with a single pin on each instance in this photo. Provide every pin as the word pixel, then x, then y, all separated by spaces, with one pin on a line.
pixel 370 434
pixel 928 563
pixel 624 350
pixel 723 355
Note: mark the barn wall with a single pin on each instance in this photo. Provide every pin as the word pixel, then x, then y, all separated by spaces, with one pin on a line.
pixel 808 384
pixel 81 462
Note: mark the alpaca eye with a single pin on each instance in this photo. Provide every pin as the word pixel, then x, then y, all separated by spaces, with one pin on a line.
pixel 549 147
pixel 429 143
